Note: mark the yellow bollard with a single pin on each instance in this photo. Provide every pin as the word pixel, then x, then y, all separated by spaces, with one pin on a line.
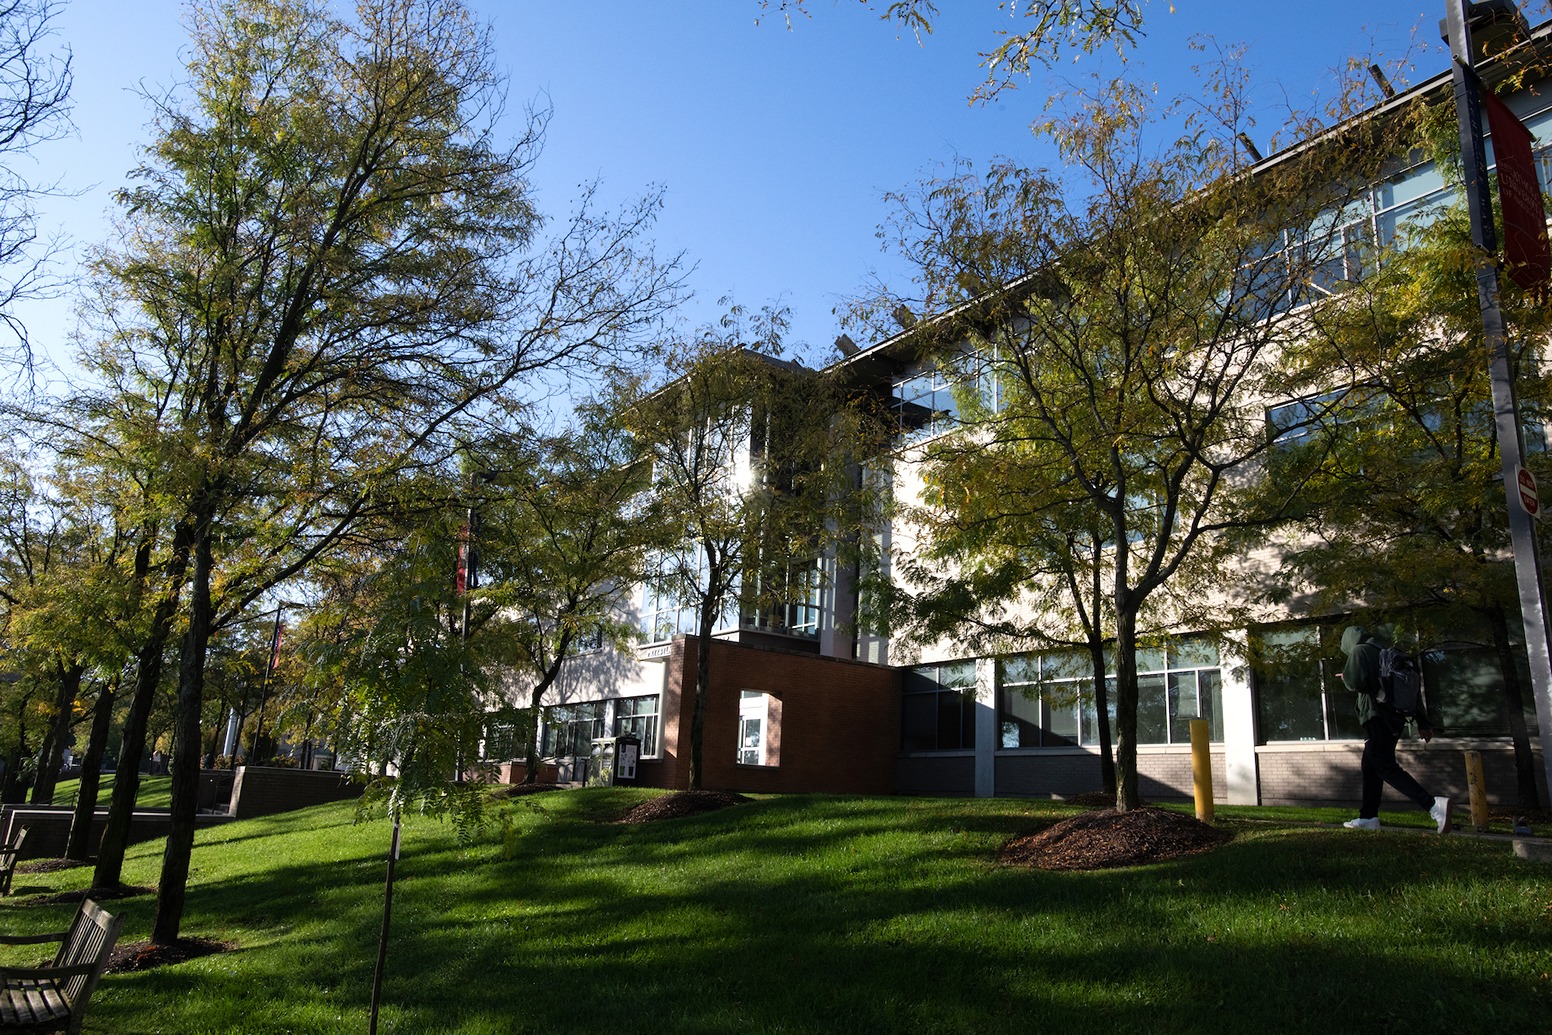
pixel 1476 787
pixel 1201 770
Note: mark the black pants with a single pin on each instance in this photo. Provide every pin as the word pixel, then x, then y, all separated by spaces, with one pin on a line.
pixel 1380 767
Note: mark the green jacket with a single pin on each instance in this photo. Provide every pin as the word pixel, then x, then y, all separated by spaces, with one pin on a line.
pixel 1361 674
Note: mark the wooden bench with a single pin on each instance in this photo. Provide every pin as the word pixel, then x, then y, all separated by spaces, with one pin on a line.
pixel 53 998
pixel 9 853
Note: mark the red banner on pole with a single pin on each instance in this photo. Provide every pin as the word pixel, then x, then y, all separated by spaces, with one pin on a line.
pixel 1519 191
pixel 462 581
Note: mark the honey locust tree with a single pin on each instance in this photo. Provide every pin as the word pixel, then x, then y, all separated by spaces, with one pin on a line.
pixel 753 462
pixel 1046 28
pixel 58 562
pixel 115 445
pixel 384 639
pixel 1117 327
pixel 1406 518
pixel 564 532
pixel 35 80
pixel 330 255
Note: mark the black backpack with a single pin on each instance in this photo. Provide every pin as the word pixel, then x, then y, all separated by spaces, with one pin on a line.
pixel 1401 682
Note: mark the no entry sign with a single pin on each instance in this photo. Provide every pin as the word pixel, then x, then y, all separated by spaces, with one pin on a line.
pixel 1529 498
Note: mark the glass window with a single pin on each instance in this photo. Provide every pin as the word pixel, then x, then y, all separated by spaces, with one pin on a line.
pixel 1292 423
pixel 1048 700
pixel 666 609
pixel 506 735
pixel 792 608
pixel 924 403
pixel 1299 689
pixel 1044 700
pixel 753 722
pixel 1463 685
pixel 569 729
pixel 1152 717
pixel 637 716
pixel 938 708
pixel 1415 197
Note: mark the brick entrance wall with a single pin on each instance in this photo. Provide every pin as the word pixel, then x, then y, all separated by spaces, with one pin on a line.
pixel 839 725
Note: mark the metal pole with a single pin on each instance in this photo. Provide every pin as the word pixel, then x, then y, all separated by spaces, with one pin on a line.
pixel 1506 413
pixel 269 666
pixel 382 941
pixel 1201 768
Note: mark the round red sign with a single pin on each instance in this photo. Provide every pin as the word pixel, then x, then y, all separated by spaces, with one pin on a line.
pixel 1529 498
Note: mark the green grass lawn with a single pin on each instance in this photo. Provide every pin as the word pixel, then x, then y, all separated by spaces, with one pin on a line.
pixel 155 792
pixel 826 914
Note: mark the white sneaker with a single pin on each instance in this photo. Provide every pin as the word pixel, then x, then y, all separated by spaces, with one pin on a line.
pixel 1441 814
pixel 1363 824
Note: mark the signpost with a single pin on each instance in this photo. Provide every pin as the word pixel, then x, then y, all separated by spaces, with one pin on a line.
pixel 1461 17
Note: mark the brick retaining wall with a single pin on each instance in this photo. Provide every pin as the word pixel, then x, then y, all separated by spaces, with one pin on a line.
pixel 266 790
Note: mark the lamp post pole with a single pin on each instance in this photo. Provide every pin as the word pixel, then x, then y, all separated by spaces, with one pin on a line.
pixel 1506 411
pixel 269 668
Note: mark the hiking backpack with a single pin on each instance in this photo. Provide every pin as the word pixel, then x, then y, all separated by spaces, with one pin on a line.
pixel 1401 682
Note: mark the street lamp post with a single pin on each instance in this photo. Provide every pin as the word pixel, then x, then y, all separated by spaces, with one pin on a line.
pixel 1461 17
pixel 269 668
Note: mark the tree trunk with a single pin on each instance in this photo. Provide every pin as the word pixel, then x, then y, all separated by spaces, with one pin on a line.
pixel 53 754
pixel 702 688
pixel 1528 796
pixel 1107 768
pixel 546 680
pixel 13 791
pixel 1127 796
pixel 172 888
pixel 531 762
pixel 148 677
pixel 79 845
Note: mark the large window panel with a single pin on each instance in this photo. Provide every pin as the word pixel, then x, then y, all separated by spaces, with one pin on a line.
pixel 569 729
pixel 1299 690
pixel 938 707
pixel 1464 689
pixel 1152 717
pixel 1019 716
pixel 1290 685
pixel 1048 700
pixel 637 716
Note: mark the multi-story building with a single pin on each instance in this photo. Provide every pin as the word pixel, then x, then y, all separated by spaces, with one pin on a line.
pixel 803 701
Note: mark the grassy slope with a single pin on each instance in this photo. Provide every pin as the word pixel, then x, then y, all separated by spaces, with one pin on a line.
pixel 818 914
pixel 155 792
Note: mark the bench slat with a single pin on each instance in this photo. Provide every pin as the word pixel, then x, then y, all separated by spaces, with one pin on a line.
pixel 47 997
pixel 32 1002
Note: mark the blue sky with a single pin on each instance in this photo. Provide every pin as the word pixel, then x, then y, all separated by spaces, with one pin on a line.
pixel 774 146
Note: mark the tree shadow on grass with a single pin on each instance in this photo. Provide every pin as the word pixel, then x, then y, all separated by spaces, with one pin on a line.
pixel 818 915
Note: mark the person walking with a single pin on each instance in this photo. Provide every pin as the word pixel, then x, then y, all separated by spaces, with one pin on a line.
pixel 1382 729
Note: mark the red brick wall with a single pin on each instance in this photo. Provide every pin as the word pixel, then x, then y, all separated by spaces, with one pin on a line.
pixel 1292 775
pixel 516 772
pixel 839 721
pixel 266 790
pixel 48 827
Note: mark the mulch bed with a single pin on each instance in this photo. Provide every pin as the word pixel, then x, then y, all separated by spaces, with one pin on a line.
pixel 95 894
pixel 52 865
pixel 681 804
pixel 144 955
pixel 1539 820
pixel 1106 839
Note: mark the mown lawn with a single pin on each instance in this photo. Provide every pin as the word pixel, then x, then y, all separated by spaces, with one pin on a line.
pixel 155 792
pixel 826 914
